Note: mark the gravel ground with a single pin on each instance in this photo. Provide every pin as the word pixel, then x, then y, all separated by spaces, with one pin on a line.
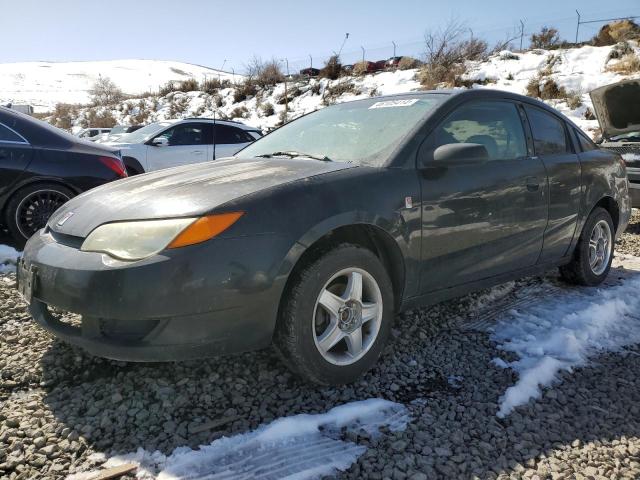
pixel 58 405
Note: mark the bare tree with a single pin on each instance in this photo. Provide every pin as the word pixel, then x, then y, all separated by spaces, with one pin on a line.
pixel 264 73
pixel 546 38
pixel 105 92
pixel 450 45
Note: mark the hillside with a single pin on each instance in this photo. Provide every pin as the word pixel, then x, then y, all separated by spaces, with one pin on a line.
pixel 43 84
pixel 561 77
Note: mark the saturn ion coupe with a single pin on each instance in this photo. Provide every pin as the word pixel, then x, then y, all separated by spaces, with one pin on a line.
pixel 314 236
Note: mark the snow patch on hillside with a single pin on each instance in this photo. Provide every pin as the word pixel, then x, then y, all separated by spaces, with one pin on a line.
pixel 43 84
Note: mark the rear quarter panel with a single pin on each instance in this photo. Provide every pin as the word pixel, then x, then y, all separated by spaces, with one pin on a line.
pixel 604 175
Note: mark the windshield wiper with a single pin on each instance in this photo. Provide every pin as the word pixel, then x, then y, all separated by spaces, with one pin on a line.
pixel 294 154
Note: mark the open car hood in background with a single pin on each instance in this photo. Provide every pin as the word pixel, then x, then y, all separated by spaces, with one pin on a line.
pixel 617 107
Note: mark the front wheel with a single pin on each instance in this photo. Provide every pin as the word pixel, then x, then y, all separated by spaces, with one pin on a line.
pixel 336 317
pixel 593 255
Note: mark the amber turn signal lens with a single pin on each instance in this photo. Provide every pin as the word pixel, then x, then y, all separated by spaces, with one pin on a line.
pixel 205 228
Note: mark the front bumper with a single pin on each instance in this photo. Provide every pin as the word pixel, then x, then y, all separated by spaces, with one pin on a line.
pixel 214 298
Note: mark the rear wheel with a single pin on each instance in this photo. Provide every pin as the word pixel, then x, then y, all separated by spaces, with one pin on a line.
pixel 594 252
pixel 336 317
pixel 30 208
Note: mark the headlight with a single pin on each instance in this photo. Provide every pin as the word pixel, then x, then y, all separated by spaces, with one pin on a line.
pixel 140 239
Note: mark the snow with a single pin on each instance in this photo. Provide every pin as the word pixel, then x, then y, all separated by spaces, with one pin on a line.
pixel 8 258
pixel 560 332
pixel 305 446
pixel 43 84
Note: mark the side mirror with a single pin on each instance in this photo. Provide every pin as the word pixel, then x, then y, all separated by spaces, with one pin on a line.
pixel 460 154
pixel 160 142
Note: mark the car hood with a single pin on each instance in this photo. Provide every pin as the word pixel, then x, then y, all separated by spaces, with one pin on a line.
pixel 186 191
pixel 614 106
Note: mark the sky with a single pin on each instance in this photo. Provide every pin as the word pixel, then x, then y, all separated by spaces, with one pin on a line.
pixel 227 34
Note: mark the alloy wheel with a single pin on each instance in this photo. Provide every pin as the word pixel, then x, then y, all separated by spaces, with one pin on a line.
pixel 600 247
pixel 347 316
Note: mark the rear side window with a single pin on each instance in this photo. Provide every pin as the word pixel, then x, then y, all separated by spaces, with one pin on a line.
pixel 186 134
pixel 549 136
pixel 494 124
pixel 586 144
pixel 7 135
pixel 227 134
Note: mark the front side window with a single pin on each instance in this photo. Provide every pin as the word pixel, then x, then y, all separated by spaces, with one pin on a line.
pixel 494 124
pixel 8 135
pixel 549 136
pixel 185 134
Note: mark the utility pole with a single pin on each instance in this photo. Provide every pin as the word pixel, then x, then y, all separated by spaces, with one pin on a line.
pixel 362 53
pixel 346 36
pixel 521 33
pixel 286 93
pixel 577 26
pixel 394 48
pixel 222 67
pixel 310 61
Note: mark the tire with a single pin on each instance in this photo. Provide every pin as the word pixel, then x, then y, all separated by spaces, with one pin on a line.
pixel 30 207
pixel 320 346
pixel 581 270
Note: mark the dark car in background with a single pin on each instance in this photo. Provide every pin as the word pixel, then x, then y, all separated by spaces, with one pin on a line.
pixel 313 236
pixel 42 167
pixel 617 108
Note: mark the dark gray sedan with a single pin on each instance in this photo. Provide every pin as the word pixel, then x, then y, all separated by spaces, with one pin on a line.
pixel 317 234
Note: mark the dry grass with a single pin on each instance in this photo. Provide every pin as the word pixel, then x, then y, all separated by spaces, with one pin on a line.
pixel 63 115
pixel 546 38
pixel 407 63
pixel 629 63
pixel 239 112
pixel 360 68
pixel 267 109
pixel 332 68
pixel 433 76
pixel 621 31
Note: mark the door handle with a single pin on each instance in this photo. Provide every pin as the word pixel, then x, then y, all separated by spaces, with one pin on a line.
pixel 533 184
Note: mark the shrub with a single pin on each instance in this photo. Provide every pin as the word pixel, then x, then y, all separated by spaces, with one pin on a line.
pixel 589 115
pixel 190 85
pixel 332 68
pixel 619 50
pixel 103 119
pixel 629 63
pixel 212 85
pixel 105 92
pixel 167 88
pixel 407 63
pixel 63 115
pixel 574 100
pixel 547 38
pixel 339 89
pixel 217 101
pixel 533 87
pixel 510 76
pixel 239 112
pixel 360 68
pixel 621 31
pixel 315 88
pixel 432 76
pixel 267 109
pixel 178 106
pixel 246 89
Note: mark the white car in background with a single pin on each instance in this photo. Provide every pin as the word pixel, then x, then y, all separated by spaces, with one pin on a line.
pixel 171 143
pixel 92 134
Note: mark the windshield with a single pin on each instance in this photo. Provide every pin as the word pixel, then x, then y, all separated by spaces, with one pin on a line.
pixel 142 135
pixel 363 132
pixel 118 129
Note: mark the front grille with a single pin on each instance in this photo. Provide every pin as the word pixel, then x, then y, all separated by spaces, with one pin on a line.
pixel 624 149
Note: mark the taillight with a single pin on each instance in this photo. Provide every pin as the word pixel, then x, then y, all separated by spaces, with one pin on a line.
pixel 115 164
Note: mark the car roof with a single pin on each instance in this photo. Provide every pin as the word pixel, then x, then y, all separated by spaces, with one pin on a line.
pixel 216 120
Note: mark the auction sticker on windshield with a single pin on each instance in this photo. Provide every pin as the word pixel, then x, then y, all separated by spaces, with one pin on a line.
pixel 394 103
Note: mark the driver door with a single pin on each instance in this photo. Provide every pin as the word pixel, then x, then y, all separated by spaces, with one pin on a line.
pixel 482 218
pixel 181 144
